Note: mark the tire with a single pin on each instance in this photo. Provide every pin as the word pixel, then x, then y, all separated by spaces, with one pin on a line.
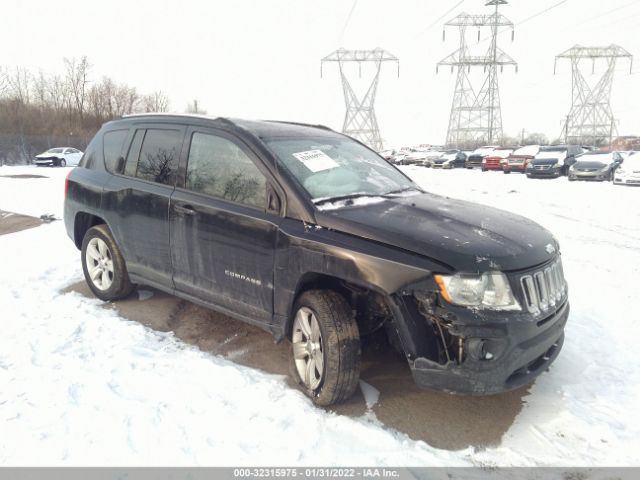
pixel 506 172
pixel 102 257
pixel 484 169
pixel 62 163
pixel 337 348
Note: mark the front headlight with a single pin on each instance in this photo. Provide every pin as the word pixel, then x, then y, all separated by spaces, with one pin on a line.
pixel 490 290
pixel 557 165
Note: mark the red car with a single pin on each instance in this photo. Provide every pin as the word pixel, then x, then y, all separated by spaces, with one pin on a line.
pixel 493 161
pixel 518 160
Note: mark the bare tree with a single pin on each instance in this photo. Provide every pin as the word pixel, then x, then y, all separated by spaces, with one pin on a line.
pixel 155 102
pixel 78 80
pixel 19 83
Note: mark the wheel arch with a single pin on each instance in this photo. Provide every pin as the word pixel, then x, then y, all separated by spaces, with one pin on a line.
pixel 83 221
pixel 350 290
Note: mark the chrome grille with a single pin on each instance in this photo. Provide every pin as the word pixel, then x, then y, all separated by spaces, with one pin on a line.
pixel 544 289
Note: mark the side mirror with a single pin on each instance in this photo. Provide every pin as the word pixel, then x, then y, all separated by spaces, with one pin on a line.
pixel 273 202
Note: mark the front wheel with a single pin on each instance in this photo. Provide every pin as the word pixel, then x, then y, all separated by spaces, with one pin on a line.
pixel 506 172
pixel 103 265
pixel 62 162
pixel 325 347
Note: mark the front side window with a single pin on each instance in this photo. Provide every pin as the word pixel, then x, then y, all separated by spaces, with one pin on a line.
pixel 330 167
pixel 218 167
pixel 158 161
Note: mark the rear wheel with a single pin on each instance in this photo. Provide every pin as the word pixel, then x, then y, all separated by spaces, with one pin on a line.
pixel 103 265
pixel 325 347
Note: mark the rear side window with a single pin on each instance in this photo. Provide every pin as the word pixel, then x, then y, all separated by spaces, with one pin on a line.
pixel 158 161
pixel 219 167
pixel 112 148
pixel 134 153
pixel 90 153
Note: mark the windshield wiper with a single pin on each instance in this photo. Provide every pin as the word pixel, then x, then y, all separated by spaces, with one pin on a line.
pixel 339 198
pixel 401 190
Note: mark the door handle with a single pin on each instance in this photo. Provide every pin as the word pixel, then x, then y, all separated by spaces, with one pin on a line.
pixel 186 210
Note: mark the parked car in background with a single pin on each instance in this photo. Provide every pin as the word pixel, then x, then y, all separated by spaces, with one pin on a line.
pixel 414 157
pixel 629 172
pixel 388 155
pixel 431 158
pixel 596 166
pixel 493 161
pixel 450 159
pixel 59 157
pixel 517 161
pixel 475 159
pixel 553 161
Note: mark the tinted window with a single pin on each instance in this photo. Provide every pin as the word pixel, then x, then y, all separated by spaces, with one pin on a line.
pixel 158 161
pixel 134 153
pixel 90 153
pixel 112 148
pixel 219 167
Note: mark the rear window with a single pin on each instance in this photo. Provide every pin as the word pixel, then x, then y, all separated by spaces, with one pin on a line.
pixel 112 148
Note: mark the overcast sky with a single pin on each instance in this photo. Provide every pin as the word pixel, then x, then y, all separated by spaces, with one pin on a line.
pixel 261 58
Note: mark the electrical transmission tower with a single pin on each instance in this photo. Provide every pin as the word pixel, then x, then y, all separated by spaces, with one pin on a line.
pixel 590 120
pixel 360 119
pixel 476 117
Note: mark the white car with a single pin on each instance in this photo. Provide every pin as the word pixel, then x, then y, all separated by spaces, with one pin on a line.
pixel 59 157
pixel 628 173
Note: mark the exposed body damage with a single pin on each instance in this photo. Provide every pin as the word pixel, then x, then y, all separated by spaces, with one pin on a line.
pixel 381 256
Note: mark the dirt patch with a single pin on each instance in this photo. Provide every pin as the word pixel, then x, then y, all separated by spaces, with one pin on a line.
pixel 24 175
pixel 441 420
pixel 14 222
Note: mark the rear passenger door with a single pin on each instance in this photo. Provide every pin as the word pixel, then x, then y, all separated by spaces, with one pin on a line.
pixel 138 197
pixel 223 238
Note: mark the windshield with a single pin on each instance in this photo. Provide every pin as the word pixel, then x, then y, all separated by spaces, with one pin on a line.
pixel 54 150
pixel 501 153
pixel 603 158
pixel 553 149
pixel 483 150
pixel 528 150
pixel 330 167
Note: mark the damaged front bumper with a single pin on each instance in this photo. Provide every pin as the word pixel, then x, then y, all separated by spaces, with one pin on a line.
pixel 521 351
pixel 477 352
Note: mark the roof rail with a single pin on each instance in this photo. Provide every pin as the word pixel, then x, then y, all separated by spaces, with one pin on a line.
pixel 300 124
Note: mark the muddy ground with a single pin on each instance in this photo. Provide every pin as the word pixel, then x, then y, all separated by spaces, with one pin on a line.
pixel 13 222
pixel 441 420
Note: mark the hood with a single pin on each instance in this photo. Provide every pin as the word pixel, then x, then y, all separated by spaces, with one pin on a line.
pixel 555 156
pixel 462 235
pixel 50 155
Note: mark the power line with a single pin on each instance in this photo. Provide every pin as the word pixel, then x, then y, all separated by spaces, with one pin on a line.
pixel 346 23
pixel 435 22
pixel 542 12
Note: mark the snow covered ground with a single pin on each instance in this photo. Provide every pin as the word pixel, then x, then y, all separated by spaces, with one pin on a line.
pixel 81 386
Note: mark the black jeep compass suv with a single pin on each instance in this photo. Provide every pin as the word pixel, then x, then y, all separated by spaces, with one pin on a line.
pixel 312 236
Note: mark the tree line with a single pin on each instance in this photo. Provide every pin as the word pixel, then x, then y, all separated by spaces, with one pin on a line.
pixel 39 110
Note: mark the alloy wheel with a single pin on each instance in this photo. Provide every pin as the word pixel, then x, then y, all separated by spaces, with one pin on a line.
pixel 99 263
pixel 308 348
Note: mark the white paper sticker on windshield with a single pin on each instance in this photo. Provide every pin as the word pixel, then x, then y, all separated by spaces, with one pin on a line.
pixel 316 160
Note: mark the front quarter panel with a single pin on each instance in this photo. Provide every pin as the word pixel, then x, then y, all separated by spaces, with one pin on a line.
pixel 304 249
